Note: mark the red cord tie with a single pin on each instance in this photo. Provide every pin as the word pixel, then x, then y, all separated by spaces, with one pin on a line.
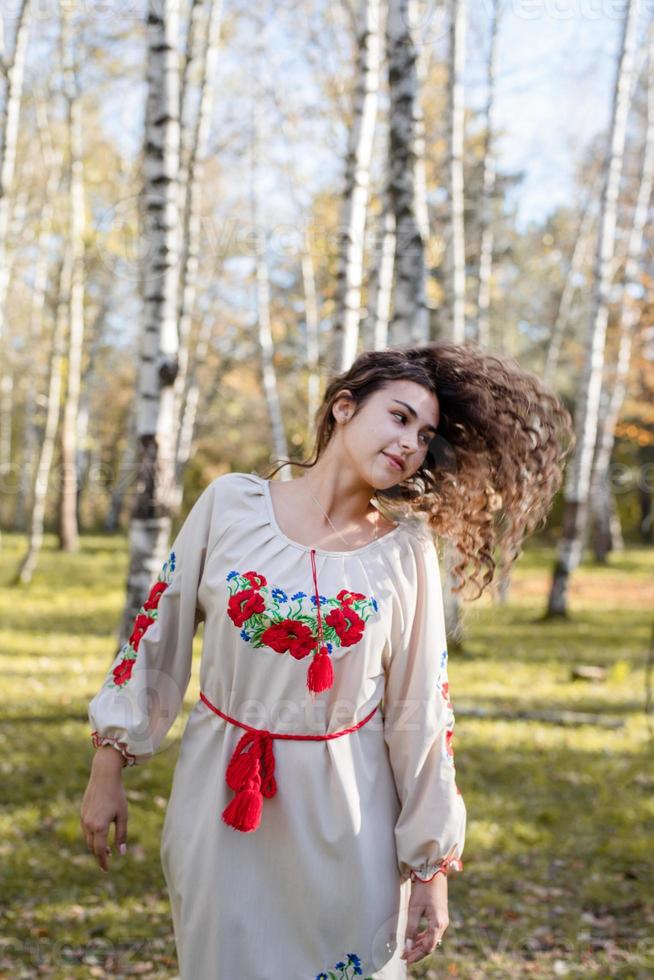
pixel 251 769
pixel 320 675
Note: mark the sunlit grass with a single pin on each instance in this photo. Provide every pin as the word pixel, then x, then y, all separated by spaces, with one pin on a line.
pixel 558 858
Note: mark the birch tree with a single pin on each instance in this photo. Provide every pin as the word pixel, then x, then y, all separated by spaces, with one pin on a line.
pixel 262 298
pixel 488 188
pixel 356 190
pixel 151 517
pixel 190 198
pixel 44 463
pixel 52 161
pixel 13 69
pixel 601 497
pixel 578 474
pixel 456 99
pixel 458 18
pixel 68 529
pixel 308 275
pixel 410 321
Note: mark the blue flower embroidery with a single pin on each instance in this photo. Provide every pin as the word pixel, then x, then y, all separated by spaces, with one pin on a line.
pixel 321 597
pixel 245 635
pixel 231 575
pixel 375 604
pixel 443 658
pixel 280 595
pixel 347 970
pixel 299 595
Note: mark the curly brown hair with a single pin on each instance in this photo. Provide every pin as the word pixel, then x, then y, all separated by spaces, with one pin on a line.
pixel 495 463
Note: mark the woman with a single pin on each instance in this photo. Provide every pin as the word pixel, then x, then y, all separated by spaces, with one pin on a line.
pixel 314 817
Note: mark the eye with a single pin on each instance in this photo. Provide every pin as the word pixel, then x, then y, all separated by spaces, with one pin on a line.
pixel 425 435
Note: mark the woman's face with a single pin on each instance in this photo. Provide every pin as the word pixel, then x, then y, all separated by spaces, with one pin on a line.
pixel 398 421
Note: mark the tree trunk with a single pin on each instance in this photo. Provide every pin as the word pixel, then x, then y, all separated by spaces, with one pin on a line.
pixel 151 517
pixel 64 277
pixel 563 313
pixel 356 190
pixel 68 530
pixel 577 485
pixel 269 376
pixel 380 289
pixel 456 101
pixel 458 18
pixel 52 164
pixel 488 190
pixel 603 510
pixel 14 71
pixel 191 226
pixel 410 322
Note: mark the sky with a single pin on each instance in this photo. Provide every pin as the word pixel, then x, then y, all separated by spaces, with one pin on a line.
pixel 556 71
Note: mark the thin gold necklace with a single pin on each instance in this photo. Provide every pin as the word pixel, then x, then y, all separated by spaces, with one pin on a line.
pixel 336 529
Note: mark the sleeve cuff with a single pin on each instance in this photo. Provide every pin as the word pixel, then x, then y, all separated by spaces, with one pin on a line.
pixel 98 740
pixel 427 872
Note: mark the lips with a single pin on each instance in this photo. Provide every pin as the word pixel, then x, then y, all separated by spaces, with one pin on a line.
pixel 395 461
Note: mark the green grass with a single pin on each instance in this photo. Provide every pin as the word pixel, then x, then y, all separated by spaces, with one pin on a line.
pixel 558 859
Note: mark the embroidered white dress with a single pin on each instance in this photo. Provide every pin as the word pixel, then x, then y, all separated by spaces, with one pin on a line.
pixel 320 888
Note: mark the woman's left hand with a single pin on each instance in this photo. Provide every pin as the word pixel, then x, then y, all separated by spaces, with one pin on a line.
pixel 428 899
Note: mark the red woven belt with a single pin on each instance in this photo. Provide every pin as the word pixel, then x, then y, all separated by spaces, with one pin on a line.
pixel 251 769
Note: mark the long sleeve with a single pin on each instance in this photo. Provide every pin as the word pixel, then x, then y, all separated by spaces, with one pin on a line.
pixel 419 722
pixel 145 686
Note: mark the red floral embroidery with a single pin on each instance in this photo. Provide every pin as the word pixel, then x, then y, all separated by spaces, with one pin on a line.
pixel 156 592
pixel 349 627
pixel 244 604
pixel 141 624
pixel 290 636
pixel 347 598
pixel 123 671
pixel 288 623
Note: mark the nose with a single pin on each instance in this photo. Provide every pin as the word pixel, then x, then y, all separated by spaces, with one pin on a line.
pixel 409 440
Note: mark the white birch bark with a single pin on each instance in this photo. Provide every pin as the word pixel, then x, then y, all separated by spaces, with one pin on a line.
pixel 44 464
pixel 262 300
pixel 380 289
pixel 577 485
pixel 607 534
pixel 564 309
pixel 308 275
pixel 68 530
pixel 151 517
pixel 483 336
pixel 53 164
pixel 191 187
pixel 356 189
pixel 14 71
pixel 456 104
pixel 410 322
pixel 9 364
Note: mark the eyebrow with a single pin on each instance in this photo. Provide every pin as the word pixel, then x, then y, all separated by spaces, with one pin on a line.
pixel 414 414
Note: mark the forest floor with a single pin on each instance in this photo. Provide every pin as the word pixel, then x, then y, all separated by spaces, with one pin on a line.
pixel 558 862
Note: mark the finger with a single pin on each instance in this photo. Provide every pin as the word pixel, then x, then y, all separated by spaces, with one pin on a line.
pixel 100 848
pixel 120 838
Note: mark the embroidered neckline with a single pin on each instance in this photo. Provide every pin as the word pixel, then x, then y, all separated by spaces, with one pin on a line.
pixel 307 547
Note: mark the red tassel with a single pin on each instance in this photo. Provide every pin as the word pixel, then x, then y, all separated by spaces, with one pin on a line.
pixel 242 768
pixel 320 675
pixel 244 811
